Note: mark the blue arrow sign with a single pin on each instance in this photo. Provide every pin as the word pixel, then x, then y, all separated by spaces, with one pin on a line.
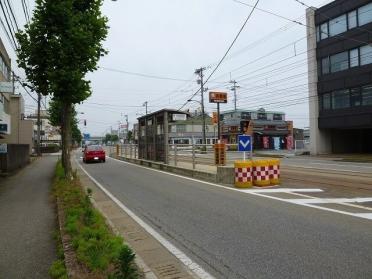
pixel 245 143
pixel 86 136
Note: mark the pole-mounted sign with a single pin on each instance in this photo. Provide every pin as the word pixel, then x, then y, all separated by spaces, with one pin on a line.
pixel 218 98
pixel 245 144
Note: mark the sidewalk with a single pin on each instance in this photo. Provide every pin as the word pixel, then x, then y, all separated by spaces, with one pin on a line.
pixel 27 221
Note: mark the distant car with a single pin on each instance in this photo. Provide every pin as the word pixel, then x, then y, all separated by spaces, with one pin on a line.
pixel 94 153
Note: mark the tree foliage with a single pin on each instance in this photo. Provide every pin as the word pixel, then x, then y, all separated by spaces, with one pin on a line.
pixel 55 119
pixel 110 138
pixel 57 49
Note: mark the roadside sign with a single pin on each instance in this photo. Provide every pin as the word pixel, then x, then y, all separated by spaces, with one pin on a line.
pixel 6 87
pixel 245 143
pixel 218 97
pixel 179 117
pixel 86 136
pixel 3 148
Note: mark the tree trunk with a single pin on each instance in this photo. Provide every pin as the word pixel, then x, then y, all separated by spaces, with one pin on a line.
pixel 66 139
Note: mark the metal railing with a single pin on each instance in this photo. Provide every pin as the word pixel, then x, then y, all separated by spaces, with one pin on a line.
pixel 191 155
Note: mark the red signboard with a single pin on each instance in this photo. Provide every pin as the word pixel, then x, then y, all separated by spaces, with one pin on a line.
pixel 218 97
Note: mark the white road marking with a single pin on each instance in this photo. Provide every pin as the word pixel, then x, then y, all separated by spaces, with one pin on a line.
pixel 326 200
pixel 341 165
pixel 359 215
pixel 194 267
pixel 282 190
pixel 314 168
pixel 365 215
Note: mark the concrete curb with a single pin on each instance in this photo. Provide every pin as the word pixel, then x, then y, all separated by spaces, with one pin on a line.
pixel 225 175
pixel 154 259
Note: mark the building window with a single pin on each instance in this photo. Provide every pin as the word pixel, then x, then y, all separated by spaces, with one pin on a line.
pixel 337 25
pixel 278 117
pixel 326 101
pixel 339 62
pixel 352 19
pixel 367 95
pixel 340 99
pixel 324 31
pixel 246 115
pixel 365 14
pixel 365 55
pixel 325 65
pixel 181 128
pixel 354 57
pixel 317 31
pixel 261 116
pixel 355 98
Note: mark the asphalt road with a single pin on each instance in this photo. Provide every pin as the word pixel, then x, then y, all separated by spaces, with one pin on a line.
pixel 295 161
pixel 236 235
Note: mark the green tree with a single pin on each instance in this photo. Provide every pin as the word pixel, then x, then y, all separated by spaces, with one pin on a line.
pixel 57 49
pixel 107 138
pixel 114 138
pixel 129 136
pixel 55 119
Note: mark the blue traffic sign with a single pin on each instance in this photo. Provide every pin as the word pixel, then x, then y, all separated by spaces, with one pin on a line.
pixel 86 136
pixel 244 143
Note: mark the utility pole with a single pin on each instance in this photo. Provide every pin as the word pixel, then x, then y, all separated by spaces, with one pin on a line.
pixel 38 150
pixel 145 105
pixel 199 72
pixel 233 88
pixel 127 122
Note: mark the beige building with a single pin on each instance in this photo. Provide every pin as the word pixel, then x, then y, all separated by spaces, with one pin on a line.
pixel 19 130
pixel 48 132
pixel 14 129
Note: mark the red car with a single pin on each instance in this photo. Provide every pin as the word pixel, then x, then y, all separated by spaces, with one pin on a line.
pixel 94 153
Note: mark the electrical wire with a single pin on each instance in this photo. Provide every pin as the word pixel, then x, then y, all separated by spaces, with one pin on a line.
pixel 227 52
pixel 8 25
pixel 299 23
pixel 142 75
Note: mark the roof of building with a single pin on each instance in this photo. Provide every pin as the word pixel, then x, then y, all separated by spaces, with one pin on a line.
pixel 164 110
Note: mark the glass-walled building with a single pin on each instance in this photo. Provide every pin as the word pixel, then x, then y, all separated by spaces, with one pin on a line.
pixel 340 77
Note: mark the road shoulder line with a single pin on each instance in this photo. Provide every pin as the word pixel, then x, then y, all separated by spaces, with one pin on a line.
pixel 191 268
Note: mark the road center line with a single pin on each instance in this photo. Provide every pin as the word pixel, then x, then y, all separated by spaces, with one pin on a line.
pixel 247 191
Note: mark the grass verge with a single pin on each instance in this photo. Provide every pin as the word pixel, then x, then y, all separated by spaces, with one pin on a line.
pixel 95 246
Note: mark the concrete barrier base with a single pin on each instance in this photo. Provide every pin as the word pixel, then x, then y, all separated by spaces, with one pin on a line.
pixel 224 175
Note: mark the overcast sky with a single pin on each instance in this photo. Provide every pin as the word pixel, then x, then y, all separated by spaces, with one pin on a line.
pixel 171 38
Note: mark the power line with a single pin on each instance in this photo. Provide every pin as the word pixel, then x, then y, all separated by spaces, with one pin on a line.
pixel 227 52
pixel 25 11
pixel 142 75
pixel 328 17
pixel 299 23
pixel 7 34
pixel 7 23
pixel 11 19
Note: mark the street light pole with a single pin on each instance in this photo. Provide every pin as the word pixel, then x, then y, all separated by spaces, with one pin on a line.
pixel 200 73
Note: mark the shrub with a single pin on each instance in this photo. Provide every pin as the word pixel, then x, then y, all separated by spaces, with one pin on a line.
pixel 95 245
pixel 58 270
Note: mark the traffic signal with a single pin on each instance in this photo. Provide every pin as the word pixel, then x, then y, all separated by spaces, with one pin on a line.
pixel 85 122
pixel 244 125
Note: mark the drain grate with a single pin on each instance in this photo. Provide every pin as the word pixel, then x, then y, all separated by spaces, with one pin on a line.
pixel 169 271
